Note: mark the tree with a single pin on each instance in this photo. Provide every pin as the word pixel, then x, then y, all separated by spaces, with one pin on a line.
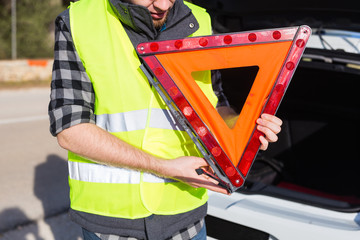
pixel 35 24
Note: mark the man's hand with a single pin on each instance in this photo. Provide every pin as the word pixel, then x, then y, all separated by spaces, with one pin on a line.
pixel 270 125
pixel 183 169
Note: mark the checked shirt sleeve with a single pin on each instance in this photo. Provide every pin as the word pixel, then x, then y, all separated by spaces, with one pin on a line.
pixel 72 96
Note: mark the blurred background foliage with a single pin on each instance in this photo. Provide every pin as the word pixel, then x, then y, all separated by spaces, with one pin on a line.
pixel 35 27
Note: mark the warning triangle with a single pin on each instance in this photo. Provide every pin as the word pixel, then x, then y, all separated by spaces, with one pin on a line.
pixel 173 63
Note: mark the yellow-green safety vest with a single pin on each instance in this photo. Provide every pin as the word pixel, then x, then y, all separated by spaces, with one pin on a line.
pixel 127 107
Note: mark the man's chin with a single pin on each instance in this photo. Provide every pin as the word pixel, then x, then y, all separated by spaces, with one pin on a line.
pixel 159 23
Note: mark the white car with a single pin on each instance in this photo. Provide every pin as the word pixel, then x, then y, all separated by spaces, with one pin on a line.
pixel 305 186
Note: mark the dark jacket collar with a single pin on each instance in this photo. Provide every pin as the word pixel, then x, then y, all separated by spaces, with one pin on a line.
pixel 138 22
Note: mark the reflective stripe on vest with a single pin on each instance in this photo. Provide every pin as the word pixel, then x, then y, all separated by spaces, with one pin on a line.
pixel 137 120
pixel 97 173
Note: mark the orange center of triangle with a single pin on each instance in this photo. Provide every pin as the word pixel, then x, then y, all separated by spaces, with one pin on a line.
pixel 269 57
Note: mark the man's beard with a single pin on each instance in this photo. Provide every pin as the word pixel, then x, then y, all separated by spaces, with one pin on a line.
pixel 159 23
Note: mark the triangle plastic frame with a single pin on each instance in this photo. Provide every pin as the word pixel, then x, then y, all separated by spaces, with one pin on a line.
pixel 163 60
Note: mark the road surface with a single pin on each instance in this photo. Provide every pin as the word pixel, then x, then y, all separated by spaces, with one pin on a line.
pixel 33 170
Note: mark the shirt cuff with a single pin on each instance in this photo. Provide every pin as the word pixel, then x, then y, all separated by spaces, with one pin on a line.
pixel 68 116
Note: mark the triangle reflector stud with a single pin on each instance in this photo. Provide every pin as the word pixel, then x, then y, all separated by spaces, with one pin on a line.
pixel 170 66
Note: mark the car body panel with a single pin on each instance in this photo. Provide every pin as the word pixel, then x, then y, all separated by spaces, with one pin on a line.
pixel 284 219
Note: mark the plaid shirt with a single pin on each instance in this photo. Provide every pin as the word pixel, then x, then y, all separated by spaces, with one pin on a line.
pixel 72 101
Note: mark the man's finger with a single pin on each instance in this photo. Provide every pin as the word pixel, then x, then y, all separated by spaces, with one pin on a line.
pixel 275 128
pixel 272 118
pixel 269 134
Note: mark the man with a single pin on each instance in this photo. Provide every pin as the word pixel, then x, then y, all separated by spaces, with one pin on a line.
pixel 131 176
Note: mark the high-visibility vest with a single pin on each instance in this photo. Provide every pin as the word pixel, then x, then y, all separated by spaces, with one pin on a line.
pixel 127 107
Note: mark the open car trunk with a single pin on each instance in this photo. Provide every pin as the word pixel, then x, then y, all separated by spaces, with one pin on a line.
pixel 316 159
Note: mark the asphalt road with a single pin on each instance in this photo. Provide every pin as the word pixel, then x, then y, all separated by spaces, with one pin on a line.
pixel 33 171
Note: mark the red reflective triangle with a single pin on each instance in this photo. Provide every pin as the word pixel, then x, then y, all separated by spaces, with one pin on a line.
pixel 276 52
